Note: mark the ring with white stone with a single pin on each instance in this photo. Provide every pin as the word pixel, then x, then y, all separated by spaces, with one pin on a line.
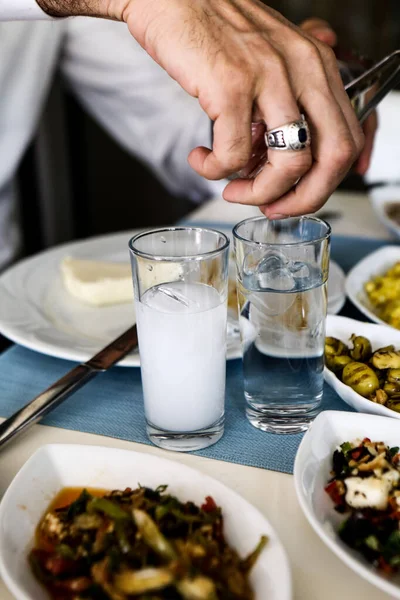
pixel 292 136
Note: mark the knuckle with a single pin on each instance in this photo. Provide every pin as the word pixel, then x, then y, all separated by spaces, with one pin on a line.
pixel 234 157
pixel 309 50
pixel 344 154
pixel 276 64
pixel 300 163
pixel 236 84
pixel 238 78
pixel 327 55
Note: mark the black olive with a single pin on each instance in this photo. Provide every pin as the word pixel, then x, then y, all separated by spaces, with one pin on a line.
pixel 355 529
pixel 339 463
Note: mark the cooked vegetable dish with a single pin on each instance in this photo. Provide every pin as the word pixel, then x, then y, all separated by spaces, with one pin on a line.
pixel 374 375
pixel 392 210
pixel 142 544
pixel 365 485
pixel 383 293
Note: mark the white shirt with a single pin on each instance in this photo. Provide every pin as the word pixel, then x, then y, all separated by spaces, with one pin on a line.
pixel 118 83
pixel 15 10
pixel 385 163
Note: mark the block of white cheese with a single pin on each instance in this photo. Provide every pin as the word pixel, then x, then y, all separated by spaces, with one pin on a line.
pixel 102 283
pixel 98 283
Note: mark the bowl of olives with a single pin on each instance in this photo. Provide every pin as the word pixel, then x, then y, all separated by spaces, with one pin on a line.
pixel 362 364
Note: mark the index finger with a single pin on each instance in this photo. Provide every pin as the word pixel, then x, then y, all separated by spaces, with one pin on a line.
pixel 231 149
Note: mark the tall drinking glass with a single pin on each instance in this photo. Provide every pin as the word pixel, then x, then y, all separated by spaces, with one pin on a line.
pixel 180 280
pixel 282 272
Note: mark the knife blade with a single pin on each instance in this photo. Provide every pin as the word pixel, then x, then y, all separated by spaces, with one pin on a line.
pixel 68 384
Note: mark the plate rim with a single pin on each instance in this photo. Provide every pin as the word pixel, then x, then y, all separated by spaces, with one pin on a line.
pixel 135 456
pixel 354 272
pixel 379 197
pixel 353 563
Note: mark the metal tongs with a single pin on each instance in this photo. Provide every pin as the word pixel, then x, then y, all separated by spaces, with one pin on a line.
pixel 383 77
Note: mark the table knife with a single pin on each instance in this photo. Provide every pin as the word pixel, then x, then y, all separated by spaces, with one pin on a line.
pixel 68 384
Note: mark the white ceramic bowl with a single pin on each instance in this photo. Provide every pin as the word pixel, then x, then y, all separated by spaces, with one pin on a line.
pixel 382 196
pixel 56 466
pixel 379 336
pixel 311 473
pixel 372 265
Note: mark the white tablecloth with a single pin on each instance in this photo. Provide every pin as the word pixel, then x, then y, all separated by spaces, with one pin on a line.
pixel 317 573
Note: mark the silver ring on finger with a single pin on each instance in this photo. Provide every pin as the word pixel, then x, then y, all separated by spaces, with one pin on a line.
pixel 291 136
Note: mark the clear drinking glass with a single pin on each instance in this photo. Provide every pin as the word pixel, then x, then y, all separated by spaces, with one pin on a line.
pixel 180 279
pixel 282 271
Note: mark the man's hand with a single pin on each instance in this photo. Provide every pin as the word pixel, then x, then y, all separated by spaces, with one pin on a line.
pixel 323 31
pixel 245 62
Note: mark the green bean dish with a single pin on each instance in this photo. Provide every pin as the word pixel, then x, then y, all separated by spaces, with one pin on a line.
pixel 143 544
pixel 375 375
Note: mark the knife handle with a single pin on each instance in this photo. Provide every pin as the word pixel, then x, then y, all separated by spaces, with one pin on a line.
pixel 46 401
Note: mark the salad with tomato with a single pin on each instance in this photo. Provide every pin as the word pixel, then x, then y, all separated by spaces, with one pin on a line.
pixel 365 486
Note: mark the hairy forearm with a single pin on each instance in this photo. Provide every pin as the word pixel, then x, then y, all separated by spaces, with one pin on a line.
pixel 109 9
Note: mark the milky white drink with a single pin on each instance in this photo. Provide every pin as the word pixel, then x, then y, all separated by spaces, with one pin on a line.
pixel 182 340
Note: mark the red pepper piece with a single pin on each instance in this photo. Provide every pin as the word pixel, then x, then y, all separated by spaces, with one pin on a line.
pixel 333 491
pixel 57 565
pixel 355 454
pixel 384 566
pixel 209 505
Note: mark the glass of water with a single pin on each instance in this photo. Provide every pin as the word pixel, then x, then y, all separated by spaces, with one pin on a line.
pixel 282 272
pixel 180 280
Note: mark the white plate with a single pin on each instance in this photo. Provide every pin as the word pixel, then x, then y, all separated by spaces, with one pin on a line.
pixel 379 336
pixel 56 466
pixel 311 473
pixel 372 265
pixel 380 197
pixel 36 311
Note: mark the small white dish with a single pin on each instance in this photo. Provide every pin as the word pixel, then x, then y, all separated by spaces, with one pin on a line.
pixel 56 466
pixel 381 197
pixel 379 336
pixel 311 473
pixel 372 265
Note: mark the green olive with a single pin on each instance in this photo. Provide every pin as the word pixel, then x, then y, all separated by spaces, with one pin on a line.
pixel 362 348
pixel 335 347
pixel 391 388
pixel 337 363
pixel 393 375
pixel 360 378
pixel 386 349
pixel 394 404
pixel 386 359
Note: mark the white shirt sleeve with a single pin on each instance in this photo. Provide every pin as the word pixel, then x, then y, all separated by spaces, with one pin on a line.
pixel 385 165
pixel 136 101
pixel 21 10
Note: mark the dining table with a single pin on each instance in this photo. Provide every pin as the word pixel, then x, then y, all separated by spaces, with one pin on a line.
pixel 317 574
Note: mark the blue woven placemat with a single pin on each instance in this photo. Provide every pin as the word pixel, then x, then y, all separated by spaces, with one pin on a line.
pixel 112 403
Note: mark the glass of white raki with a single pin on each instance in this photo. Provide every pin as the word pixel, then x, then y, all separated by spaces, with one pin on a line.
pixel 180 278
